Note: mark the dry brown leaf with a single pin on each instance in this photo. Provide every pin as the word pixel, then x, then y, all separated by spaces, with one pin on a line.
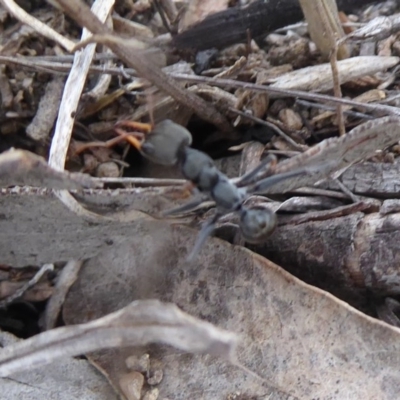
pixel 20 167
pixel 64 380
pixel 295 336
pixel 138 324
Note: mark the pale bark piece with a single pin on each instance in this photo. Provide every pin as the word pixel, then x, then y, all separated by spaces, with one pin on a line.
pixel 332 155
pixel 138 324
pixel 324 25
pixel 197 10
pixel 379 180
pixel 345 255
pixel 298 338
pixel 40 127
pixel 259 18
pixel 377 29
pixel 20 167
pixel 318 78
pixel 65 280
pixel 65 379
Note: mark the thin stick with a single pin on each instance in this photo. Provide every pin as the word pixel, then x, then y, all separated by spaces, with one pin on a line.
pixel 21 15
pixel 66 279
pixel 331 36
pixel 66 117
pixel 54 67
pixel 82 15
pixel 272 126
pixel 231 83
pixel 20 292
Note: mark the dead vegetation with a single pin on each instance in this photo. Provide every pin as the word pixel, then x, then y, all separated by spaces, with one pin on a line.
pixel 90 267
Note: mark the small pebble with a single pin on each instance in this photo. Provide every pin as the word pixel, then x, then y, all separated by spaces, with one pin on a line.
pixel 131 385
pixel 291 119
pixel 90 162
pixel 388 158
pixel 107 170
pixel 156 377
pixel 277 106
pixel 140 364
pixel 396 148
pixel 152 394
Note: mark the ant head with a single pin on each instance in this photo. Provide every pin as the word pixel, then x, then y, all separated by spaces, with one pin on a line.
pixel 164 143
pixel 257 223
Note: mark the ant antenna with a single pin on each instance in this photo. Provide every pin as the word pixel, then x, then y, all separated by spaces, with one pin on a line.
pixel 150 105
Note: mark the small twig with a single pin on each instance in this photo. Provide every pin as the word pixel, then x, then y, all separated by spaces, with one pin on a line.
pixel 82 15
pixel 66 279
pixel 331 39
pixel 160 10
pixel 320 192
pixel 144 181
pixel 346 191
pixel 337 90
pixel 328 214
pixel 272 126
pixel 351 113
pixel 172 13
pixel 104 80
pixel 324 25
pixel 387 311
pixel 20 292
pixel 66 117
pixel 285 92
pixel 54 67
pixel 21 15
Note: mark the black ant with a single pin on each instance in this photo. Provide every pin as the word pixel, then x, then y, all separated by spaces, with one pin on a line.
pixel 169 144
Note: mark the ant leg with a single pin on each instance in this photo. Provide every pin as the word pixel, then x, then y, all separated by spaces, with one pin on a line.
pixel 132 140
pixel 206 230
pixel 136 126
pixel 109 143
pixel 185 207
pixel 266 183
pixel 269 163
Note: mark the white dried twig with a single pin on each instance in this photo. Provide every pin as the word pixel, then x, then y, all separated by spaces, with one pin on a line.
pixel 32 282
pixel 138 324
pixel 21 15
pixel 69 104
pixel 66 279
pixel 377 29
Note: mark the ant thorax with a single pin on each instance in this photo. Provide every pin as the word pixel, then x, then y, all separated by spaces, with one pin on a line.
pixel 227 195
pixel 199 168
